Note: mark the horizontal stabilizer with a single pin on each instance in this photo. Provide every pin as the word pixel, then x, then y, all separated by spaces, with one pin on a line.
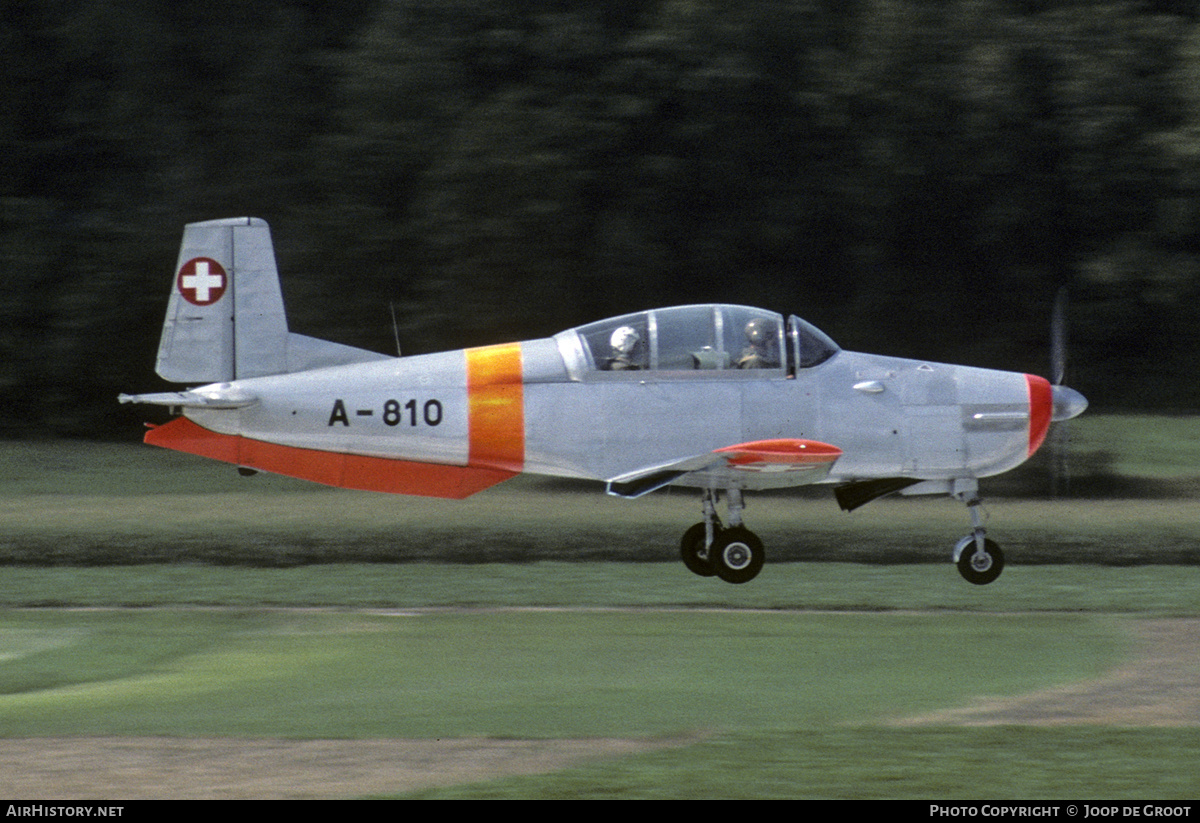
pixel 758 464
pixel 216 396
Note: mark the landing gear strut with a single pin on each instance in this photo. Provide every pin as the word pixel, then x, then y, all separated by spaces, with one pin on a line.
pixel 978 558
pixel 732 553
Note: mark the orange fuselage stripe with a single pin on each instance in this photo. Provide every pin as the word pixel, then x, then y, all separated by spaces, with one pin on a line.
pixel 496 408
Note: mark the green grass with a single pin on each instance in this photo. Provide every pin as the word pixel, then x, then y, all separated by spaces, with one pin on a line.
pixel 1142 590
pixel 527 674
pixel 781 704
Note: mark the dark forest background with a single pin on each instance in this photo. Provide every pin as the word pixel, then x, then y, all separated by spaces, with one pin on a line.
pixel 916 178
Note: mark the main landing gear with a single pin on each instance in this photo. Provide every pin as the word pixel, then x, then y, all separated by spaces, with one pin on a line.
pixel 732 553
pixel 735 554
pixel 978 558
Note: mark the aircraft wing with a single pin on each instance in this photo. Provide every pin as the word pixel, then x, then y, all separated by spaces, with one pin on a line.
pixel 758 464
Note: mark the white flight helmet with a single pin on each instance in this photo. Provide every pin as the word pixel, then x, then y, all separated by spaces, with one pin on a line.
pixel 624 339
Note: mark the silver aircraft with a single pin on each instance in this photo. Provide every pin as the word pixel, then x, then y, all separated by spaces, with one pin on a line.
pixel 721 398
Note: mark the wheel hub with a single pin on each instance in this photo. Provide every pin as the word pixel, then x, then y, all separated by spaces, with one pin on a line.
pixel 737 556
pixel 981 561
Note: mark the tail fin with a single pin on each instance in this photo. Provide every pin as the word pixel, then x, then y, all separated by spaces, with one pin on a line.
pixel 225 319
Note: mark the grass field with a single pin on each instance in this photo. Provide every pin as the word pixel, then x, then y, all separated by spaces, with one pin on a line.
pixel 503 616
pixel 537 674
pixel 780 704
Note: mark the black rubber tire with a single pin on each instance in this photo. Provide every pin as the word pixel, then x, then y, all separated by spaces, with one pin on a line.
pixel 980 573
pixel 693 552
pixel 737 555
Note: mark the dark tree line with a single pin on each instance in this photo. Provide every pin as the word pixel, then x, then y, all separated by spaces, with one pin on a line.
pixel 917 178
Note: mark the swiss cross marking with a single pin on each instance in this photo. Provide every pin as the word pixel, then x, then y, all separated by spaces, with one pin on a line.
pixel 202 281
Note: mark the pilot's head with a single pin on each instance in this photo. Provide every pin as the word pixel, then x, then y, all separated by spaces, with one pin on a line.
pixel 624 340
pixel 759 332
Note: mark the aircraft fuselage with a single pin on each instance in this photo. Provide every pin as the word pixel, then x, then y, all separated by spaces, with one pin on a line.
pixel 522 407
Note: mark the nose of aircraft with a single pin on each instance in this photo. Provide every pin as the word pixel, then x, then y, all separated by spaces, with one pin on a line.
pixel 1068 403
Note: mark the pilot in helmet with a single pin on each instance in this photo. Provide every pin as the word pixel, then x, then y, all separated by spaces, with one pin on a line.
pixel 624 342
pixel 760 334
